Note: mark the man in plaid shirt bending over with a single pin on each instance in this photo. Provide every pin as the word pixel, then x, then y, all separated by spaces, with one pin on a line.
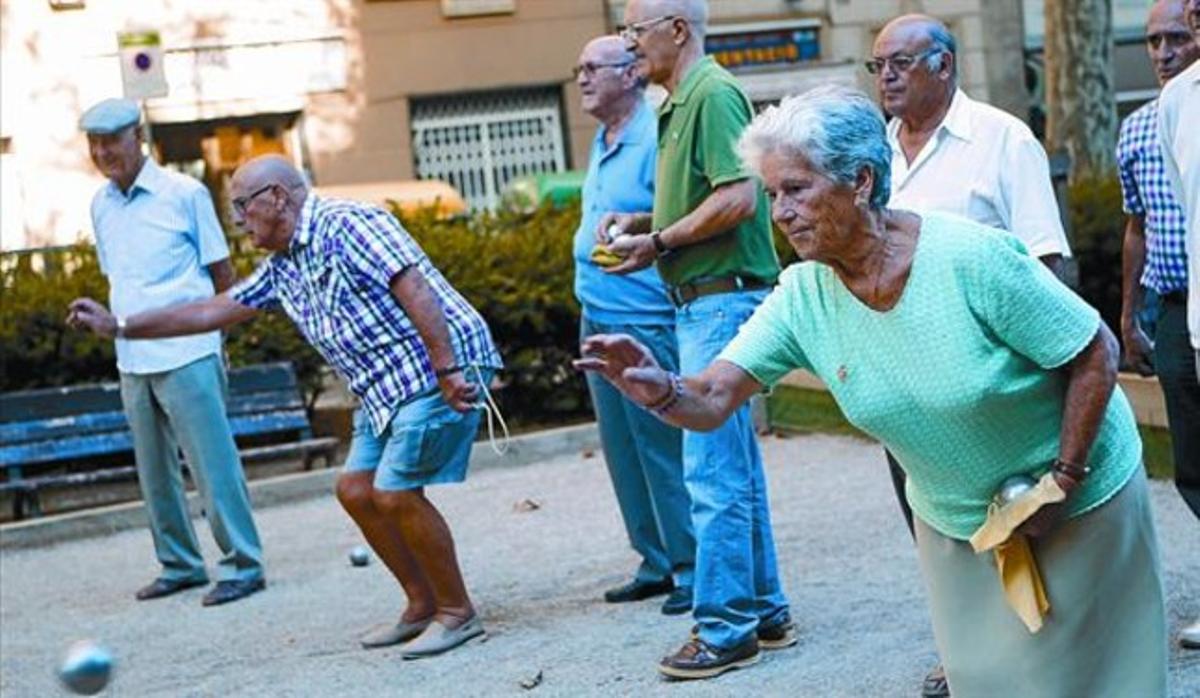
pixel 412 349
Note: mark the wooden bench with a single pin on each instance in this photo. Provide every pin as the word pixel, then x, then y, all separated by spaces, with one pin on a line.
pixel 47 436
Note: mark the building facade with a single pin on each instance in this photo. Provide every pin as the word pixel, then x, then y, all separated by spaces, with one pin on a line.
pixel 474 92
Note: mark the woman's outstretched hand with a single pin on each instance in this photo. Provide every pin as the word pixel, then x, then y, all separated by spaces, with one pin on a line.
pixel 627 364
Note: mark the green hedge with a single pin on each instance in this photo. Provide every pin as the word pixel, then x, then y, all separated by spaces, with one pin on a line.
pixel 516 269
pixel 1097 228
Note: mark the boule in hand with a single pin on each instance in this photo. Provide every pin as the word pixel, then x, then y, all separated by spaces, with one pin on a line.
pixel 604 257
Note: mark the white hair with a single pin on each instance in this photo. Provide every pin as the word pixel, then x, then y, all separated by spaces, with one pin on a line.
pixel 839 130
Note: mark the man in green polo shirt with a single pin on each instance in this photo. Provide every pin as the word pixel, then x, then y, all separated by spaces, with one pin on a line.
pixel 710 234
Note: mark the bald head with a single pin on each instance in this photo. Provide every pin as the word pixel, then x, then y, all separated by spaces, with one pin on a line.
pixel 915 67
pixel 267 194
pixel 921 32
pixel 609 49
pixel 1169 40
pixel 270 169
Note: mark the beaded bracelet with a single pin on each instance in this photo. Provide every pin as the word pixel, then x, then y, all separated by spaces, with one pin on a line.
pixel 663 406
pixel 1072 470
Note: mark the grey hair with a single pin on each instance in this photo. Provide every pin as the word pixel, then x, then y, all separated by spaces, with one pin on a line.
pixel 839 130
pixel 941 39
pixel 694 11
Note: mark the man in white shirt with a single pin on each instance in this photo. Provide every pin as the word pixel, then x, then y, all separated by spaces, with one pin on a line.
pixel 1178 126
pixel 159 243
pixel 952 154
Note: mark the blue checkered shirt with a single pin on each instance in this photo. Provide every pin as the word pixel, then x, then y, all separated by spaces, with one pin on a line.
pixel 334 283
pixel 1147 193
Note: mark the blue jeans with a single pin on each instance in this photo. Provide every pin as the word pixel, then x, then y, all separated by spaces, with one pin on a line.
pixel 736 581
pixel 185 409
pixel 645 462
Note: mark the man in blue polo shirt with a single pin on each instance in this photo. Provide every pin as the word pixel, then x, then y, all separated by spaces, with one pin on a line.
pixel 159 243
pixel 644 454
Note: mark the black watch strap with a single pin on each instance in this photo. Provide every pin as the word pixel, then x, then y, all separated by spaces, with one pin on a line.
pixel 659 246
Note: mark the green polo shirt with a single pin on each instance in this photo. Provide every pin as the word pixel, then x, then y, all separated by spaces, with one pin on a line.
pixel 698 129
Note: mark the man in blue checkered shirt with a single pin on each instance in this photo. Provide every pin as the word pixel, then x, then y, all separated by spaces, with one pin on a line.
pixel 1154 255
pixel 366 296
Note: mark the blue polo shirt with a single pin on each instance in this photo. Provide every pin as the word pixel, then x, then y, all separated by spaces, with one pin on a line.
pixel 620 178
pixel 154 243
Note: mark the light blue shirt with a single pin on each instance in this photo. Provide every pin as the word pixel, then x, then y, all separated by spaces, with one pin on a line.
pixel 620 178
pixel 154 244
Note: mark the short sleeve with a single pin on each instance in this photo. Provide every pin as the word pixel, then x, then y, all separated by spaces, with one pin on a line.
pixel 723 116
pixel 1033 210
pixel 375 245
pixel 1131 198
pixel 210 237
pixel 257 290
pixel 1025 306
pixel 767 345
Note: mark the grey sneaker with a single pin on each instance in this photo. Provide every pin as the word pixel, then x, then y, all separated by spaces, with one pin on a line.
pixel 437 638
pixel 394 634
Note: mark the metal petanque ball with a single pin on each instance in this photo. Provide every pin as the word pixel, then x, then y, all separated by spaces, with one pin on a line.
pixel 613 232
pixel 359 557
pixel 1013 489
pixel 86 668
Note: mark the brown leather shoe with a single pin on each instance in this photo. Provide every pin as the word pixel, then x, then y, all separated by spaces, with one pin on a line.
pixel 936 685
pixel 699 660
pixel 232 590
pixel 165 587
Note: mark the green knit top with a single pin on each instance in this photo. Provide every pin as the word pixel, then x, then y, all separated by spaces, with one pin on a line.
pixel 961 380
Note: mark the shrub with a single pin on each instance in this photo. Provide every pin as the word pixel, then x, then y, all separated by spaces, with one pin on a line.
pixel 1097 228
pixel 515 268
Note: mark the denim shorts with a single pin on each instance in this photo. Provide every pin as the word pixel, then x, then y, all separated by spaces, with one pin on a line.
pixel 426 443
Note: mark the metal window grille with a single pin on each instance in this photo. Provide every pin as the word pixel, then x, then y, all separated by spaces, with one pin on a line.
pixel 479 142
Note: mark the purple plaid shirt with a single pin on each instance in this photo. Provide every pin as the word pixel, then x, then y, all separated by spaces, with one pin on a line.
pixel 334 283
pixel 1147 193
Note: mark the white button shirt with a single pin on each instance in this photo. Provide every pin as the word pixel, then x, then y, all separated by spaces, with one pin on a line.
pixel 985 165
pixel 1179 134
pixel 153 245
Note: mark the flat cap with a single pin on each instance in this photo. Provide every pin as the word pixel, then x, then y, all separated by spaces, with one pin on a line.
pixel 110 116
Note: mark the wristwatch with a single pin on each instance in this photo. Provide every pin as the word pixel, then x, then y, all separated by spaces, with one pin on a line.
pixel 659 246
pixel 120 326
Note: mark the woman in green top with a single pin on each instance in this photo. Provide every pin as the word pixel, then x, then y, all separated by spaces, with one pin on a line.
pixel 971 363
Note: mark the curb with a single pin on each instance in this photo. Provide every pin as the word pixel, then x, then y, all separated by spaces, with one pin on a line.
pixel 284 489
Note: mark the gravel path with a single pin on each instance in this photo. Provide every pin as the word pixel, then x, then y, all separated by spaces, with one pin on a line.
pixel 537 575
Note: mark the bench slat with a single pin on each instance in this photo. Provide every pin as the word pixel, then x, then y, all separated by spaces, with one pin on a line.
pixel 14 433
pixel 48 403
pixel 65 448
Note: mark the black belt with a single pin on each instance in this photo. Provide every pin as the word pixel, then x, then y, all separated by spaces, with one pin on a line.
pixel 1174 297
pixel 689 291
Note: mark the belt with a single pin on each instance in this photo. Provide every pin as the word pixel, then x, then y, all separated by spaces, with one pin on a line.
pixel 1174 297
pixel 689 291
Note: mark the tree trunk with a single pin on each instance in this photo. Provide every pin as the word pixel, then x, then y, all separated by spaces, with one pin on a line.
pixel 1081 105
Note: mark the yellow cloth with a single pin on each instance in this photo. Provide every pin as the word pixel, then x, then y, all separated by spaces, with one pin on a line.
pixel 1019 575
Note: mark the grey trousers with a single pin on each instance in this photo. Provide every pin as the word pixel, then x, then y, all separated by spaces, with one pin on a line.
pixel 185 409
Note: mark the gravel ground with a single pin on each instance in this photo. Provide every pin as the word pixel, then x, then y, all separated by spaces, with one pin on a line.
pixel 537 574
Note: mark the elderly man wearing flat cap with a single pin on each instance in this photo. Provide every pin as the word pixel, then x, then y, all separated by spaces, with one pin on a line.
pixel 159 243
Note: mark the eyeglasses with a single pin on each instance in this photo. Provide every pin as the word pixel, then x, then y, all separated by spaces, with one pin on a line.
pixel 901 62
pixel 241 202
pixel 589 69
pixel 633 32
